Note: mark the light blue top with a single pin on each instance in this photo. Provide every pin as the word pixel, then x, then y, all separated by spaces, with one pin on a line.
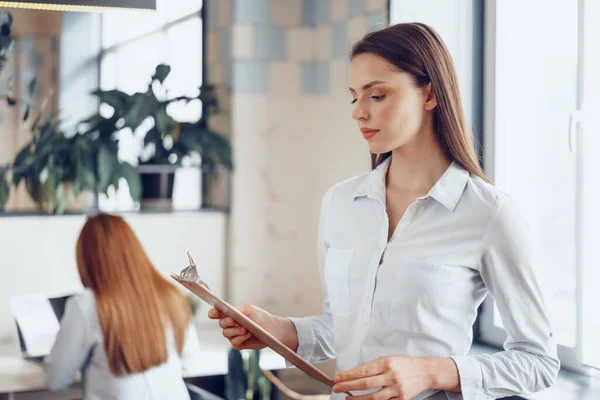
pixel 79 347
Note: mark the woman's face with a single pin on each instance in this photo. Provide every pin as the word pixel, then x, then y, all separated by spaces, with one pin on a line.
pixel 389 109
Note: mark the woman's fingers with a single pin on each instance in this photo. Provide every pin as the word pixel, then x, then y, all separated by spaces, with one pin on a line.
pixel 230 333
pixel 227 322
pixel 213 313
pixel 238 341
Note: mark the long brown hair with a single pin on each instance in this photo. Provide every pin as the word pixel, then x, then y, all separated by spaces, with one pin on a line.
pixel 418 50
pixel 135 303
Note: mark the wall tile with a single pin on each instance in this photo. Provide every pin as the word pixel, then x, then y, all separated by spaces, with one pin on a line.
pixel 212 47
pixel 300 44
pixel 224 44
pixel 339 10
pixel 376 5
pixel 212 14
pixel 251 11
pixel 339 43
pixel 376 20
pixel 323 12
pixel 224 13
pixel 309 13
pixel 356 29
pixel 356 7
pixel 322 39
pixel 286 13
pixel 339 77
pixel 243 43
pixel 315 78
pixel 250 77
pixel 271 42
pixel 284 78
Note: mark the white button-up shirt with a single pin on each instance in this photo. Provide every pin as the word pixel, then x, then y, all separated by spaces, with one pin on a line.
pixel 79 346
pixel 418 294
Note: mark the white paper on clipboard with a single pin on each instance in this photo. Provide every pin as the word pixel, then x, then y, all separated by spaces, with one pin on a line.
pixel 227 309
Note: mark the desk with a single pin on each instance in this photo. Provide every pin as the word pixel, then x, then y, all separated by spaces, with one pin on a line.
pixel 18 375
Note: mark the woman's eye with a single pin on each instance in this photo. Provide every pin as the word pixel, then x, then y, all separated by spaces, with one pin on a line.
pixel 377 98
pixel 353 101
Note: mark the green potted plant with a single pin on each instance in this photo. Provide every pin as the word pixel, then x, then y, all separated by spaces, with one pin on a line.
pixel 168 141
pixel 52 164
pixel 245 379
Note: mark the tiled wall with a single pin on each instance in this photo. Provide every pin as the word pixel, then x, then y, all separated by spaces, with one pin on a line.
pixel 252 43
pixel 282 66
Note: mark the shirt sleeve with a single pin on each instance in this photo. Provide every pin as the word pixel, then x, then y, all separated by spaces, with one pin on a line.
pixel 529 362
pixel 70 350
pixel 315 333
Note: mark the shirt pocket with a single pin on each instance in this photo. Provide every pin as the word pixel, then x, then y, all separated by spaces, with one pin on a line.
pixel 337 281
pixel 425 297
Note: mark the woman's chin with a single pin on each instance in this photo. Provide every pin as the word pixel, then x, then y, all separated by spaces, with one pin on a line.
pixel 378 149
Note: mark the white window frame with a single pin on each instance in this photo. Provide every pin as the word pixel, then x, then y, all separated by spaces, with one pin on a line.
pixel 571 357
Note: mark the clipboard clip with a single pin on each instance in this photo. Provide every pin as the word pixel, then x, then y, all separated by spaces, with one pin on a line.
pixel 190 273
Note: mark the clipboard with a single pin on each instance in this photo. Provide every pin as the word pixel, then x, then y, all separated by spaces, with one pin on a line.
pixel 202 291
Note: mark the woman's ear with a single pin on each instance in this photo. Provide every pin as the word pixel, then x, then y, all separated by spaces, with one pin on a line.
pixel 429 96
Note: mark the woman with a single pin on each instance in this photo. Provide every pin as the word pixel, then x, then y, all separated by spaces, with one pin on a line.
pixel 130 332
pixel 408 251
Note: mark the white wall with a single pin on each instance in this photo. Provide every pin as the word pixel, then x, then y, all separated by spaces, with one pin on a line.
pixel 38 253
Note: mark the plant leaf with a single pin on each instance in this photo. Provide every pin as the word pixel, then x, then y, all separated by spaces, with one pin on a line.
pixel 31 87
pixel 4 190
pixel 132 176
pixel 114 98
pixel 164 123
pixel 142 107
pixel 106 163
pixel 161 72
pixel 60 198
pixel 235 380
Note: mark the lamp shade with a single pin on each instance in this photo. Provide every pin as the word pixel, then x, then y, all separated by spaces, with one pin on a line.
pixel 81 5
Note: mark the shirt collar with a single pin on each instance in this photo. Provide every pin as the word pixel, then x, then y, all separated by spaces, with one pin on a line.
pixel 447 191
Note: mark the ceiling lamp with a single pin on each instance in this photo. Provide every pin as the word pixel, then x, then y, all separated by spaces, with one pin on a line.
pixel 81 5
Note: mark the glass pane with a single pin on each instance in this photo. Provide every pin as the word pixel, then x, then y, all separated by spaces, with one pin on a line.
pixel 184 44
pixel 137 62
pixel 122 25
pixel 590 194
pixel 181 8
pixel 108 72
pixel 536 88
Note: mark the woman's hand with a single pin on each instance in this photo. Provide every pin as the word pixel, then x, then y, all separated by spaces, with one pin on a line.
pixel 240 339
pixel 399 377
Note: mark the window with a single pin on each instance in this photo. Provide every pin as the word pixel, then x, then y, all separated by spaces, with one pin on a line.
pixel 133 44
pixel 539 147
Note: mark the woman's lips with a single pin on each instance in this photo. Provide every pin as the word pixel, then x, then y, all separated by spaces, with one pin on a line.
pixel 369 133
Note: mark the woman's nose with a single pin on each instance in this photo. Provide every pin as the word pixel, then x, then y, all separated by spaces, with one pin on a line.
pixel 359 112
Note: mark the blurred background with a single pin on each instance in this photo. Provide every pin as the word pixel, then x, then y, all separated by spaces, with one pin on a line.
pixel 216 126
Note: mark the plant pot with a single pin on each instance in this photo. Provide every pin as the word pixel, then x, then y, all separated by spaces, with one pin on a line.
pixel 157 190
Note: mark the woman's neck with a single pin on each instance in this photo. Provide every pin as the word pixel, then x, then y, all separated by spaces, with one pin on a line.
pixel 416 167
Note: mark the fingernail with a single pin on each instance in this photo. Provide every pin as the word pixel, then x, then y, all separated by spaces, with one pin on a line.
pixel 337 378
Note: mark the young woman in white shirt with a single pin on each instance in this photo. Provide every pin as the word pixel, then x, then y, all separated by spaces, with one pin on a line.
pixel 408 251
pixel 130 332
